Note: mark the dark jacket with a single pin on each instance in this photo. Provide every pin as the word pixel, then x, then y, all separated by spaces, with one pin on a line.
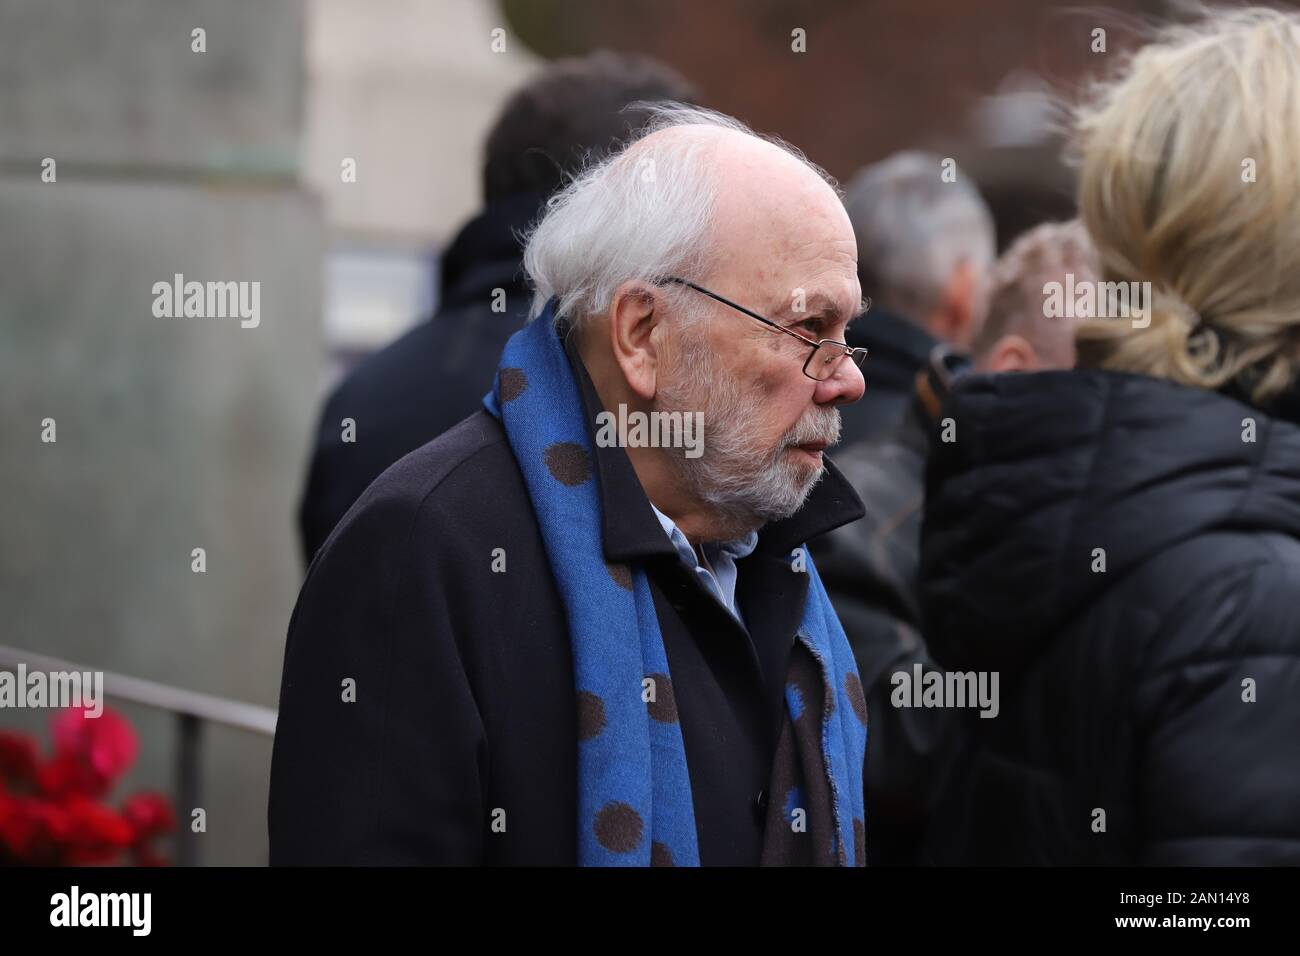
pixel 898 349
pixel 465 700
pixel 1124 685
pixel 869 568
pixel 425 382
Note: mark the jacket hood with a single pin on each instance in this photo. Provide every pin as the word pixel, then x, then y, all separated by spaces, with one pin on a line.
pixel 488 251
pixel 1047 467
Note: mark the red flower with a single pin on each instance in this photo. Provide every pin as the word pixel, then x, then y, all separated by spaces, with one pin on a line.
pixel 10 825
pixel 95 833
pixel 66 775
pixel 18 758
pixel 33 831
pixel 149 815
pixel 95 751
pixel 63 822
pixel 144 856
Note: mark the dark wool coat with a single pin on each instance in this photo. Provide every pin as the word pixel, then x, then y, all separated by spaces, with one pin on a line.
pixel 465 709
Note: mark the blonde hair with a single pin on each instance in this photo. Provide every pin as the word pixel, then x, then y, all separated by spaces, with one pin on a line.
pixel 1166 151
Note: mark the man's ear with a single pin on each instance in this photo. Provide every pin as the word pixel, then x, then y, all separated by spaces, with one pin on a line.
pixel 956 317
pixel 634 316
pixel 1011 353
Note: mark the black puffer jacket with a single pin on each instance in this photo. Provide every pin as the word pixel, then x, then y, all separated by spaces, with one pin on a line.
pixel 1164 690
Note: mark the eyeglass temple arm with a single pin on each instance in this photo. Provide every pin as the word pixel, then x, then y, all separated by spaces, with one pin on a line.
pixel 741 308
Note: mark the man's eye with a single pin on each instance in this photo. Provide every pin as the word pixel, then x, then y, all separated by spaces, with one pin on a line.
pixel 812 325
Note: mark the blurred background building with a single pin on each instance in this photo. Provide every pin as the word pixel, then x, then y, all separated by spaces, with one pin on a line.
pixel 230 165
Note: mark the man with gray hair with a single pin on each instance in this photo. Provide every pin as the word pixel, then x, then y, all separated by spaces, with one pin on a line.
pixel 926 241
pixel 547 638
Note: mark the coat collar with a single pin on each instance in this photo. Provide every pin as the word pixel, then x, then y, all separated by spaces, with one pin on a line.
pixel 631 530
pixel 486 253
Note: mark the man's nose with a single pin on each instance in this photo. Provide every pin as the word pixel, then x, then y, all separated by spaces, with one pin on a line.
pixel 844 387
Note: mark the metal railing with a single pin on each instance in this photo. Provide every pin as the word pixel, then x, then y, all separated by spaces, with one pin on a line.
pixel 190 709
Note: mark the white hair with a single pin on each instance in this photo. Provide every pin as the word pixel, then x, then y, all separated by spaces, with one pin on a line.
pixel 913 230
pixel 639 214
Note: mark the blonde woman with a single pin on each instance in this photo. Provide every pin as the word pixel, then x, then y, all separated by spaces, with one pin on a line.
pixel 1121 542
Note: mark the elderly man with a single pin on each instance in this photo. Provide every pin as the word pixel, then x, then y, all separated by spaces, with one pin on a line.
pixel 541 640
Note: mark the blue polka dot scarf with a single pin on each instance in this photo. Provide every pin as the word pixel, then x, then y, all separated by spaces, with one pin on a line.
pixel 634 793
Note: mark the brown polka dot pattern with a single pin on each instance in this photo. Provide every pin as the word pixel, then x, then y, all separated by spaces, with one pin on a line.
pixel 591 715
pixel 513 383
pixel 857 700
pixel 621 574
pixel 660 855
pixel 664 707
pixel 618 828
pixel 568 463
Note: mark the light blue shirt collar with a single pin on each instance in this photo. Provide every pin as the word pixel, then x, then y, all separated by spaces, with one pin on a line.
pixel 717 570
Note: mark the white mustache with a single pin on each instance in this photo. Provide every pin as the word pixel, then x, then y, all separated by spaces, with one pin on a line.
pixel 823 425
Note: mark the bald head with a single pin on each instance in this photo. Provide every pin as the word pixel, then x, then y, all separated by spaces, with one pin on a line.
pixel 782 237
pixel 746 227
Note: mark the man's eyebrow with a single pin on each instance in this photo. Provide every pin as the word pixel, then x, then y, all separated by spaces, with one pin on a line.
pixel 816 305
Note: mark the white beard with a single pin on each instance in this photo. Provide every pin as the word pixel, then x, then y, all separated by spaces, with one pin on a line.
pixel 749 485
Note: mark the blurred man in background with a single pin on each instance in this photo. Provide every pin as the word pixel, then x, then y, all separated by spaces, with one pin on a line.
pixel 870 566
pixel 435 375
pixel 925 246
